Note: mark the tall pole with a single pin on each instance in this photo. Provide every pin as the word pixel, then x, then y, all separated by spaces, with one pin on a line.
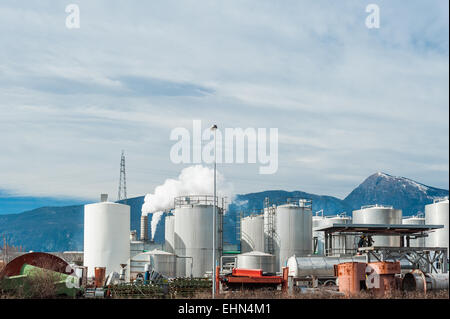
pixel 214 128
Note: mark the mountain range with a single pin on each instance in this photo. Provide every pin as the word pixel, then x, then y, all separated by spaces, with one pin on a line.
pixel 61 228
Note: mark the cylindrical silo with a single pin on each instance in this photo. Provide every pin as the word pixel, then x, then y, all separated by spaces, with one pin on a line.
pixel 169 235
pixel 256 260
pixel 293 232
pixel 376 214
pixel 106 236
pixel 193 233
pixel 342 244
pixel 437 214
pixel 252 233
pixel 415 220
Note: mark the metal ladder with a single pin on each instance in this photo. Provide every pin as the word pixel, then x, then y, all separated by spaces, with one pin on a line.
pixel 270 229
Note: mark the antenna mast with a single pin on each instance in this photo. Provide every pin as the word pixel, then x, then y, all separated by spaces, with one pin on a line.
pixel 123 180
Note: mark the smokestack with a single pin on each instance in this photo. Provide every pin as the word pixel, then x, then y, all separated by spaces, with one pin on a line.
pixel 144 227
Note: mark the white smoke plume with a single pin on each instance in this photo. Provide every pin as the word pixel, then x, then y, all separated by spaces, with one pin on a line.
pixel 193 180
pixel 156 217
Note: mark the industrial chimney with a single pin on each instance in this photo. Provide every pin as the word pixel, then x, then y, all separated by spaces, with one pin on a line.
pixel 144 227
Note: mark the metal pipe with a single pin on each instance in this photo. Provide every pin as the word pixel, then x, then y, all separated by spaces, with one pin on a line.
pixel 214 128
pixel 420 281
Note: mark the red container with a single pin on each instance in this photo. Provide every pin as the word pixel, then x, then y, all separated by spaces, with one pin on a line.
pixel 351 277
pixel 100 276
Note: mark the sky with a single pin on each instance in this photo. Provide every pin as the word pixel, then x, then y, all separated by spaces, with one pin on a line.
pixel 348 101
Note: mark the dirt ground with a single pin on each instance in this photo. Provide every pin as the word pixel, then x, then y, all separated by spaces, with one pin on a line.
pixel 326 294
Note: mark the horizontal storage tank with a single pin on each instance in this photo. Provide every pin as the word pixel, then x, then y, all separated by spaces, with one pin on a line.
pixel 437 214
pixel 378 214
pixel 106 236
pixel 322 267
pixel 293 232
pixel 415 220
pixel 193 236
pixel 252 233
pixel 169 234
pixel 256 260
pixel 160 261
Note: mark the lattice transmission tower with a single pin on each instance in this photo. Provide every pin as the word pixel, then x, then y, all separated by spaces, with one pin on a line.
pixel 122 195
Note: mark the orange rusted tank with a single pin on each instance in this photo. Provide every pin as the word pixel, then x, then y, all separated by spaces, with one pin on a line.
pixel 351 277
pixel 100 276
pixel 381 277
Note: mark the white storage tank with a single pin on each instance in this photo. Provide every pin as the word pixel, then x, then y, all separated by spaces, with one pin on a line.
pixel 293 232
pixel 256 260
pixel 342 244
pixel 169 235
pixel 193 236
pixel 106 236
pixel 379 214
pixel 252 233
pixel 437 214
pixel 319 237
pixel 160 261
pixel 415 220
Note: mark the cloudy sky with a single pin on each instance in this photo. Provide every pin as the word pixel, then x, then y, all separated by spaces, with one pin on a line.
pixel 348 101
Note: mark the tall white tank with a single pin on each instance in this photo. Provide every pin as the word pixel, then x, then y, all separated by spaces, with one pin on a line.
pixel 106 236
pixel 169 235
pixel 437 214
pixel 252 233
pixel 193 238
pixel 415 220
pixel 293 233
pixel 377 214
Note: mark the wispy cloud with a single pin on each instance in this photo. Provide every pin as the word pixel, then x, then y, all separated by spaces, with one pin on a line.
pixel 348 101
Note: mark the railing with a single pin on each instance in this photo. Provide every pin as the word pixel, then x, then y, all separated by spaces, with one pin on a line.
pixel 199 200
pixel 377 205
